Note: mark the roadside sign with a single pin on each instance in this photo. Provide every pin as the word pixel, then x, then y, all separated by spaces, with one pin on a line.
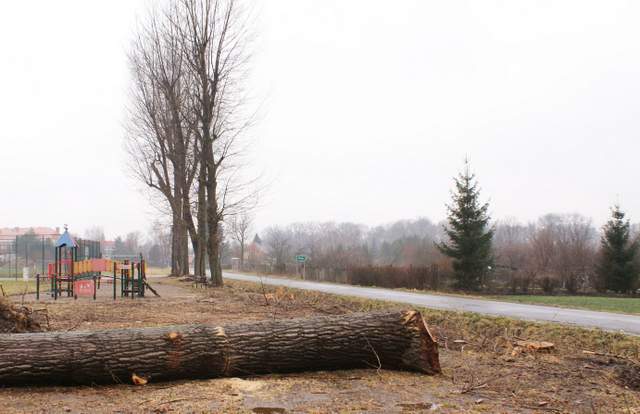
pixel 301 258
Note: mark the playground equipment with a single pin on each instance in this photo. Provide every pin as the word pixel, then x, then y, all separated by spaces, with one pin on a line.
pixel 132 276
pixel 78 269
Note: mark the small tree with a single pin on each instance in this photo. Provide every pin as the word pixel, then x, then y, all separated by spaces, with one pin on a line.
pixel 469 233
pixel 240 233
pixel 278 242
pixel 617 267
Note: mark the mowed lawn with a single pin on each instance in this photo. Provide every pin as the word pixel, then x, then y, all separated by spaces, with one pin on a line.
pixel 597 303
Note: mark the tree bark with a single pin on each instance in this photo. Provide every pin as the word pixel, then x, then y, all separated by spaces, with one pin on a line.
pixel 194 237
pixel 213 222
pixel 184 239
pixel 200 253
pixel 387 340
pixel 175 267
pixel 180 251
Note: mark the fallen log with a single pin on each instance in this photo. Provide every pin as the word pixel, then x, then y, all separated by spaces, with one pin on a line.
pixel 387 340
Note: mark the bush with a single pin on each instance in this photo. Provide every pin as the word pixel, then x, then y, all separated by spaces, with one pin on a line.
pixel 419 277
pixel 548 283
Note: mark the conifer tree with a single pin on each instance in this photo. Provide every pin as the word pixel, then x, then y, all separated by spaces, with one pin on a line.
pixel 469 233
pixel 617 266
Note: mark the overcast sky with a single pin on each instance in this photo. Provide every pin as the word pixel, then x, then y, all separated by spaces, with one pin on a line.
pixel 368 109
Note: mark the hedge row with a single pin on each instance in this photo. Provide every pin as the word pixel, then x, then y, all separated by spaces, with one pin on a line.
pixel 420 277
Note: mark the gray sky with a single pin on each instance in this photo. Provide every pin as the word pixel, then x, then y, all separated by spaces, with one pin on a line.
pixel 369 109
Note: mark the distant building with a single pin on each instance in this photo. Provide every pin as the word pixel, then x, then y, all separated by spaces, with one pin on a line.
pixel 255 254
pixel 108 248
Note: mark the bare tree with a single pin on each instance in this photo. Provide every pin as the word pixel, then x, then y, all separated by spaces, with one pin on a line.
pixel 132 242
pixel 160 238
pixel 188 63
pixel 576 250
pixel 543 244
pixel 95 233
pixel 512 246
pixel 240 228
pixel 213 37
pixel 159 134
pixel 278 242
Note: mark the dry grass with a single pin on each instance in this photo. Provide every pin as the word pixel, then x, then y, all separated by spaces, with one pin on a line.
pixel 17 287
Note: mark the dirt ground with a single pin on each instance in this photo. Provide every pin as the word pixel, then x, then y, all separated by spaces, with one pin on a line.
pixel 484 371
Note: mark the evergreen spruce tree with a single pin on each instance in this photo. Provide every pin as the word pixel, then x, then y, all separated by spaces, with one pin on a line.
pixel 617 266
pixel 469 233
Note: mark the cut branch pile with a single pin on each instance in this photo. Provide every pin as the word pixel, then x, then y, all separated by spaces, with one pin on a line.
pixel 387 340
pixel 16 319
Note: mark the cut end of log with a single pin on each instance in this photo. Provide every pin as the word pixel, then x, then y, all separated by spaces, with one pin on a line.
pixel 425 356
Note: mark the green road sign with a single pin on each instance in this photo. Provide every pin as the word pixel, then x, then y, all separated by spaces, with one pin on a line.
pixel 301 258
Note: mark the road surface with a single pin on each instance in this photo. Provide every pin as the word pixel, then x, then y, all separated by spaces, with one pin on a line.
pixel 604 320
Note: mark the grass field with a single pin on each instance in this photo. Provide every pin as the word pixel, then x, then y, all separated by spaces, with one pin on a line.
pixel 8 272
pixel 597 303
pixel 158 271
pixel 14 287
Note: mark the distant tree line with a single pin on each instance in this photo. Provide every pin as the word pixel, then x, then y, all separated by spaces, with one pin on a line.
pixel 557 252
pixel 155 246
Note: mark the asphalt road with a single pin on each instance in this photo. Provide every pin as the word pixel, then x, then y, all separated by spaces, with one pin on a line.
pixel 608 321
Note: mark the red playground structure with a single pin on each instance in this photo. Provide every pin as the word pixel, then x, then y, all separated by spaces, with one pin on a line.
pixel 78 269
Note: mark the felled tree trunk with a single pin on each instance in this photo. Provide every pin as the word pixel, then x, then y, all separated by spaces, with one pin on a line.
pixel 393 340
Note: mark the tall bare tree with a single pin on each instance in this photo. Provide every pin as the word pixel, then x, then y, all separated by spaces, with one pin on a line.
pixel 213 36
pixel 160 136
pixel 189 63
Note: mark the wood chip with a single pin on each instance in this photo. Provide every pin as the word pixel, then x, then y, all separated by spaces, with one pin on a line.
pixel 535 345
pixel 137 380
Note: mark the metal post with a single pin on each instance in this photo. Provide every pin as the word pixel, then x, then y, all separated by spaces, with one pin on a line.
pixel 16 256
pixel 56 273
pixel 114 280
pixel 55 268
pixel 143 274
pixel 74 255
pixel 94 288
pixel 26 254
pixel 38 286
pixel 42 270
